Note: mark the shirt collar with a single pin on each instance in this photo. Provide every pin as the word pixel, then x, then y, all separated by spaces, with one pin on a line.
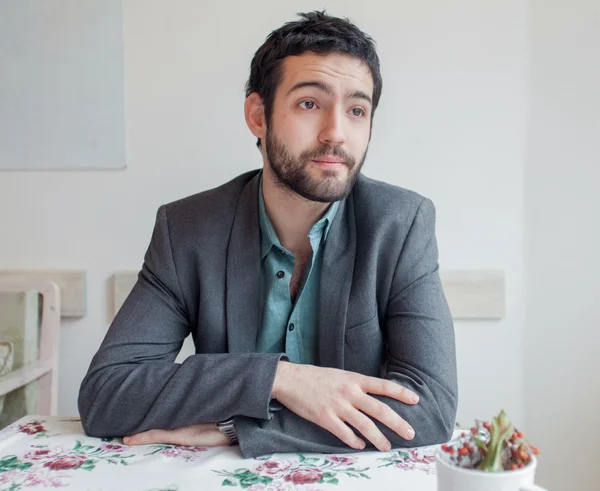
pixel 268 236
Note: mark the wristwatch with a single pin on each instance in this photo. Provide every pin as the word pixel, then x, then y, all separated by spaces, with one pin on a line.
pixel 228 429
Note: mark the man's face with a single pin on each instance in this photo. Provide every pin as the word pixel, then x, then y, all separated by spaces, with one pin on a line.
pixel 320 126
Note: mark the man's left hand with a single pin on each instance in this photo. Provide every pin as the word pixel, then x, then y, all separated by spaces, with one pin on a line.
pixel 203 435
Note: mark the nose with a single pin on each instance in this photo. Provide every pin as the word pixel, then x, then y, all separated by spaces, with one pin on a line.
pixel 332 131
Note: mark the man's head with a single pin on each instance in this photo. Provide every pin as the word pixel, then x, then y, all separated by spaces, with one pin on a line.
pixel 313 89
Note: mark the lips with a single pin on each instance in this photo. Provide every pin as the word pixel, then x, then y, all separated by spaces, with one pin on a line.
pixel 329 160
pixel 329 165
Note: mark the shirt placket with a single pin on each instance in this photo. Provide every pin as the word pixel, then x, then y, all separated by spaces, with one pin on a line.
pixel 286 265
pixel 294 326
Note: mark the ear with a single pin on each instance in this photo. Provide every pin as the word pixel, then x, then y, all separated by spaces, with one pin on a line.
pixel 254 111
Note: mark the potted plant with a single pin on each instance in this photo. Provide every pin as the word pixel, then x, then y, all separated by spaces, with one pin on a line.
pixel 493 456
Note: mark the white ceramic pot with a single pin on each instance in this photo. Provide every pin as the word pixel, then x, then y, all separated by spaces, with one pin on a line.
pixel 453 478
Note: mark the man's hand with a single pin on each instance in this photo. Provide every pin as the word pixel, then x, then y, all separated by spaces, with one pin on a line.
pixel 331 398
pixel 203 435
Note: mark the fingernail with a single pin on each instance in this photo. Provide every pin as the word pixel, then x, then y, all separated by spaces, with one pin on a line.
pixel 414 398
pixel 361 445
pixel 387 447
pixel 410 434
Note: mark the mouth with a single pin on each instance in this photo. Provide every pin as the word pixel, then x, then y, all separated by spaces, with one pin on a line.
pixel 329 162
pixel 329 159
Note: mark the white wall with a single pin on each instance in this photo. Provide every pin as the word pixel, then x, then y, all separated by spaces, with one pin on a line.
pixel 451 125
pixel 562 239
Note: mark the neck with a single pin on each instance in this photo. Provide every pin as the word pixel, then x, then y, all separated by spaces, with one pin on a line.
pixel 291 215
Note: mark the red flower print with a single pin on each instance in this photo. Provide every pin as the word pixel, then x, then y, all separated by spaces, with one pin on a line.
pixel 271 467
pixel 172 452
pixel 43 454
pixel 32 428
pixel 66 463
pixel 340 459
pixel 304 476
pixel 421 457
pixel 9 476
pixel 112 447
pixel 195 449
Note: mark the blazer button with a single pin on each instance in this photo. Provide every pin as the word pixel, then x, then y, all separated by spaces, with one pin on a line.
pixel 280 274
pixel 291 327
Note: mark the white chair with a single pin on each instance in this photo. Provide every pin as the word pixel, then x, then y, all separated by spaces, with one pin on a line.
pixel 44 369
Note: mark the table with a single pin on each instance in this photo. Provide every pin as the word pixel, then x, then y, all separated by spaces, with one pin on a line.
pixel 41 452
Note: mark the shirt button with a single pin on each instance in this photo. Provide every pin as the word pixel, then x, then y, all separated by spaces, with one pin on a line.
pixel 291 327
pixel 280 274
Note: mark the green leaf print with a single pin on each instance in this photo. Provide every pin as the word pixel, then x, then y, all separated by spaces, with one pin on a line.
pixel 85 448
pixel 248 478
pixel 245 478
pixel 11 463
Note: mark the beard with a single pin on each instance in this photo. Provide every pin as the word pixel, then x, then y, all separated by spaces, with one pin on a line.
pixel 292 172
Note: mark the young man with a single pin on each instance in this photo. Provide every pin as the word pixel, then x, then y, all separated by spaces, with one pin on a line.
pixel 312 293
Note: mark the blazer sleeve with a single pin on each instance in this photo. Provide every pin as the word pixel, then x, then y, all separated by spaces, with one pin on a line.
pixel 133 383
pixel 420 355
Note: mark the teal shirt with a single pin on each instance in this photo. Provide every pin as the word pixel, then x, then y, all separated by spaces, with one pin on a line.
pixel 286 327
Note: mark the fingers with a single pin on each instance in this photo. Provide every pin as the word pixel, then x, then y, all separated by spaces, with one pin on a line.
pixel 203 435
pixel 386 415
pixel 344 433
pixel 369 430
pixel 382 387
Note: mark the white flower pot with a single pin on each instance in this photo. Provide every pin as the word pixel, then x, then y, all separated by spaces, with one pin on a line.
pixel 453 478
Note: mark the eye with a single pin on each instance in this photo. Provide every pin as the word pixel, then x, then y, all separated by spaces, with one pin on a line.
pixel 358 112
pixel 307 105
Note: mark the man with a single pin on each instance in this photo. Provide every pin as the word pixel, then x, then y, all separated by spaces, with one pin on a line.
pixel 312 293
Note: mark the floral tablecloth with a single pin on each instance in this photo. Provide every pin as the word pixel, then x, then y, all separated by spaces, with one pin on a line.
pixel 47 452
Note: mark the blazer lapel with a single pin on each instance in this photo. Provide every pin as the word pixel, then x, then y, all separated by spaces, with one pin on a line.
pixel 335 284
pixel 243 272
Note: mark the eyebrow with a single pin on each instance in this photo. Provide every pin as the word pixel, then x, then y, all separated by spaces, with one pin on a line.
pixel 357 94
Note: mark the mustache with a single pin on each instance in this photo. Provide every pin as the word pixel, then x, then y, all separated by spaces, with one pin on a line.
pixel 324 150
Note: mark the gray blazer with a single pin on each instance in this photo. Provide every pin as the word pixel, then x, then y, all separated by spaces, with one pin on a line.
pixel 382 312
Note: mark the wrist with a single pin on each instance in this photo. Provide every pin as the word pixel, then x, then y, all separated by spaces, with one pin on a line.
pixel 280 377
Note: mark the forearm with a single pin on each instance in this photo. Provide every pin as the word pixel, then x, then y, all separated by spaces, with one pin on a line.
pixel 288 432
pixel 432 417
pixel 123 399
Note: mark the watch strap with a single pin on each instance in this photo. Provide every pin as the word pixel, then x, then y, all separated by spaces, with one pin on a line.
pixel 228 429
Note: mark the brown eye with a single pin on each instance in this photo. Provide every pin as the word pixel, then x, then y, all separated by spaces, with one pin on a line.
pixel 358 112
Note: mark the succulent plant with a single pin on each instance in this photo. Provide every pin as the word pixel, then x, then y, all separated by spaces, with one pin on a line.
pixel 494 446
pixel 501 431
